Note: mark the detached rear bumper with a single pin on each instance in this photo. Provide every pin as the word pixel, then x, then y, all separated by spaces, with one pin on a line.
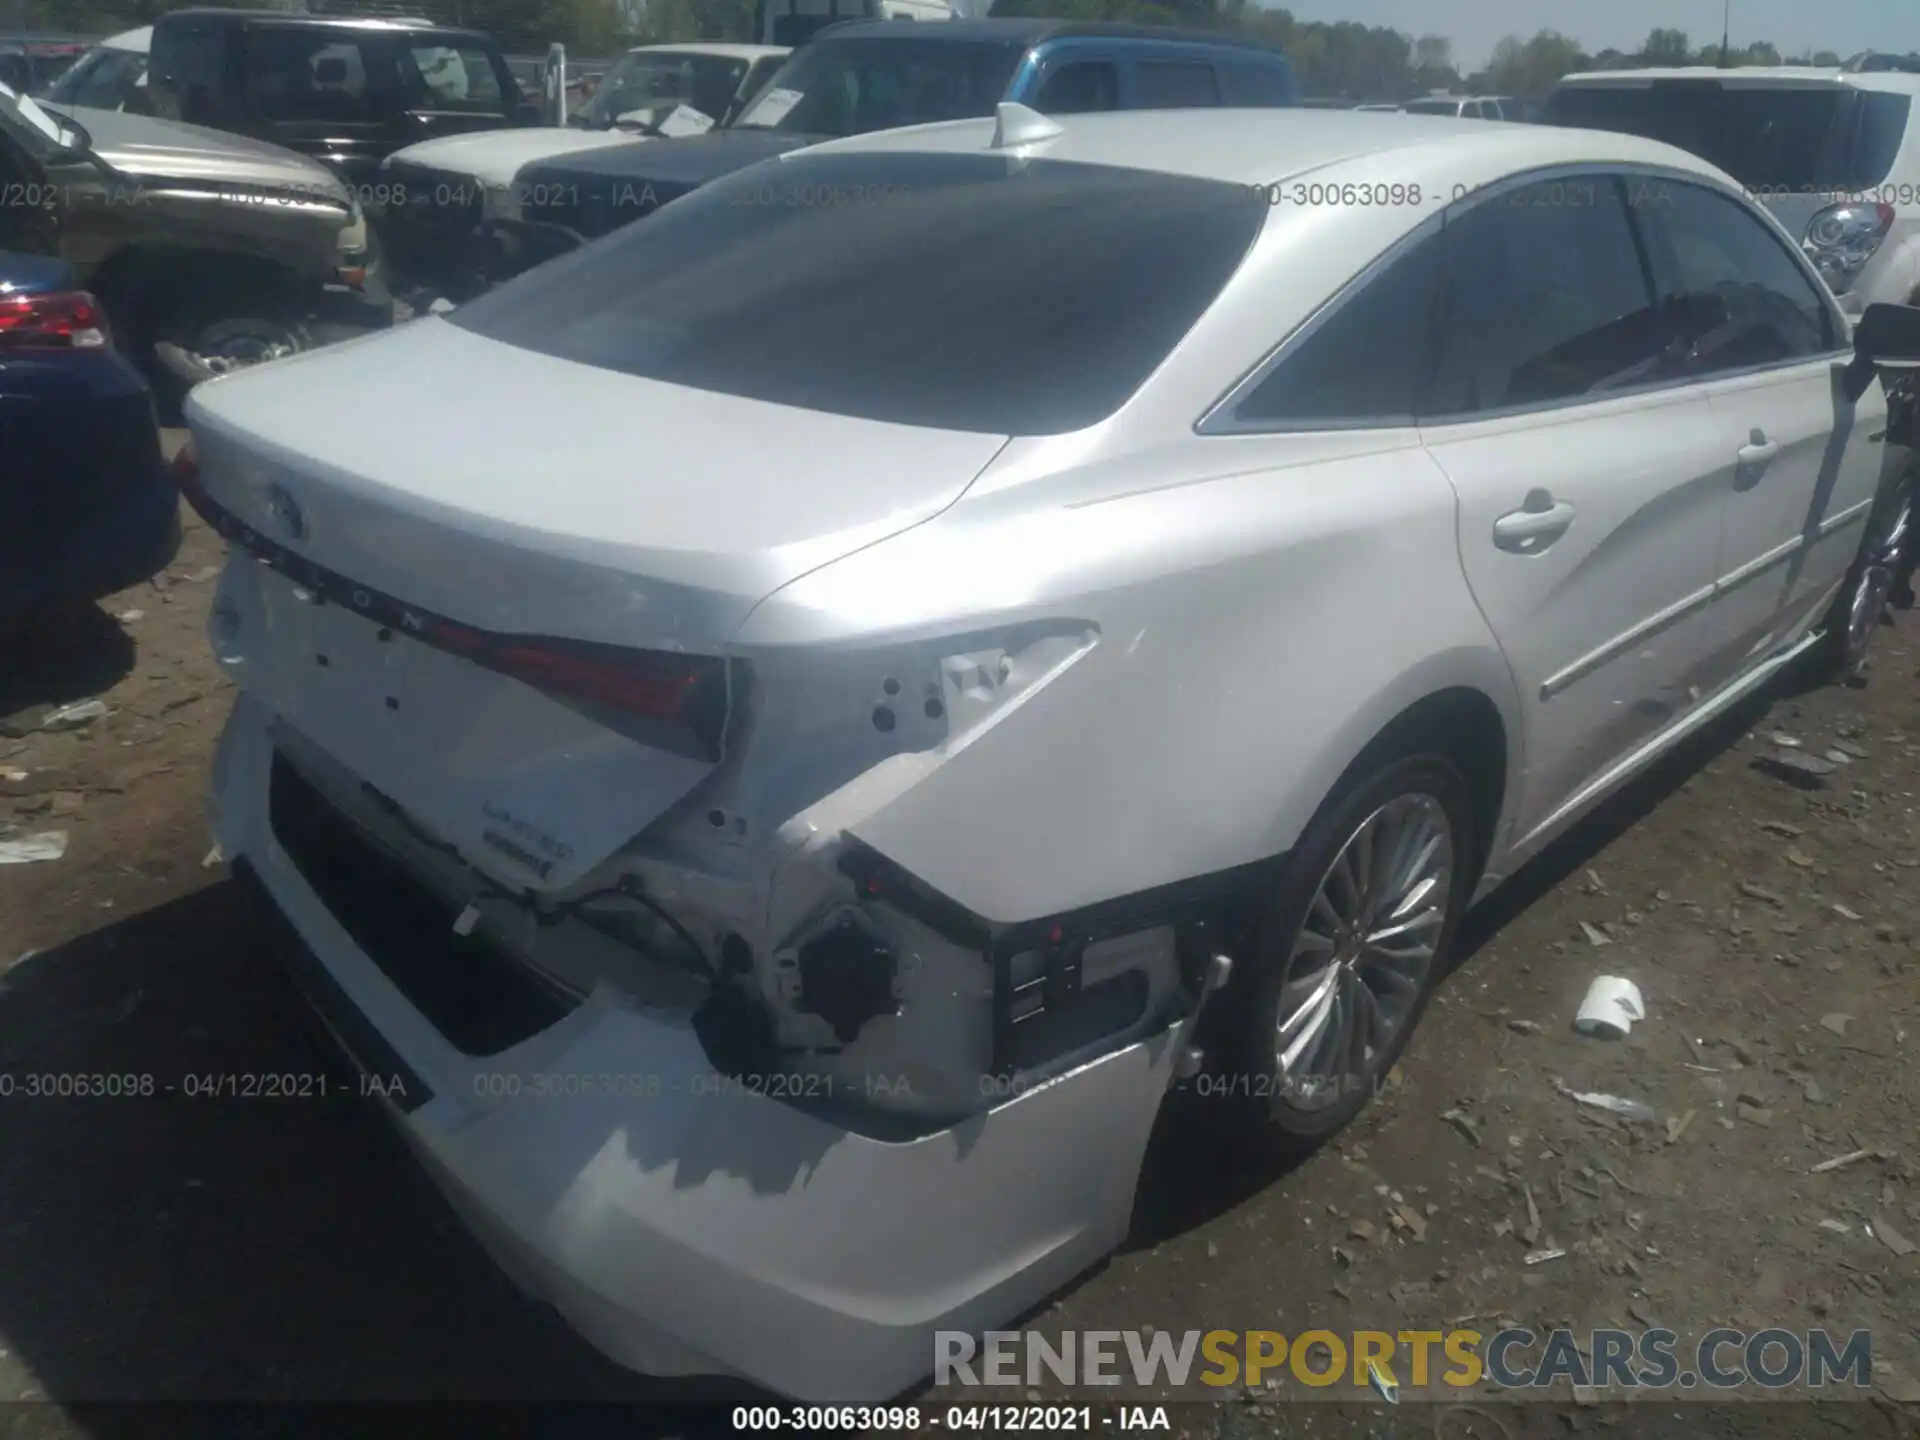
pixel 685 1226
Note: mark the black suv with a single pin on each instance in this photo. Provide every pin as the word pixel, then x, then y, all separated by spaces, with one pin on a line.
pixel 347 92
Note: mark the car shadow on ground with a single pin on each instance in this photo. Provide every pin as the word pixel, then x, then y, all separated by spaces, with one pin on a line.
pixel 56 660
pixel 1197 1171
pixel 192 1246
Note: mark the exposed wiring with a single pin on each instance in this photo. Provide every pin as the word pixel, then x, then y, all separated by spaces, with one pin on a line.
pixel 549 914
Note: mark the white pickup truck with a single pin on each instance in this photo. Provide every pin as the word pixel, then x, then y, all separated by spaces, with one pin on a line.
pixel 453 183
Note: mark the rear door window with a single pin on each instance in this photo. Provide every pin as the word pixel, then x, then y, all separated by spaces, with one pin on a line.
pixel 1546 298
pixel 1737 298
pixel 446 76
pixel 301 76
pixel 1174 85
pixel 1078 87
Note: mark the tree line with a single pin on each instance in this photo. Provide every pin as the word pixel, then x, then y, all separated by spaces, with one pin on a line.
pixel 1342 60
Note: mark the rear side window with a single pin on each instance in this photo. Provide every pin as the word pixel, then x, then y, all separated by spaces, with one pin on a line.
pixel 1361 364
pixel 1737 298
pixel 305 75
pixel 1174 85
pixel 1546 298
pixel 957 291
pixel 1259 83
pixel 451 77
pixel 1785 139
pixel 1079 87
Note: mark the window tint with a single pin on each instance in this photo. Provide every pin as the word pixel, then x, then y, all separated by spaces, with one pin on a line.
pixel 1790 139
pixel 1175 85
pixel 850 87
pixel 1738 298
pixel 1362 363
pixel 304 75
pixel 187 79
pixel 1079 87
pixel 1545 299
pixel 959 291
pixel 451 77
pixel 1260 83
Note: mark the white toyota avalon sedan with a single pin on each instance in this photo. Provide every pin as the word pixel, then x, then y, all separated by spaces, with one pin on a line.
pixel 779 738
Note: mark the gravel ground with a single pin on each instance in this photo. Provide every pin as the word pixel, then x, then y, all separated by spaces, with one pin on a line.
pixel 190 1249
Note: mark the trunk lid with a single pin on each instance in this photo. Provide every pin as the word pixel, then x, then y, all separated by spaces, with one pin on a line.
pixel 525 496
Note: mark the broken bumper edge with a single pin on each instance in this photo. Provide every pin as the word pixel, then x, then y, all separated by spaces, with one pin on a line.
pixel 686 1224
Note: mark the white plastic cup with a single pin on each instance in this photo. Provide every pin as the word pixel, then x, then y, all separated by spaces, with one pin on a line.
pixel 1611 1007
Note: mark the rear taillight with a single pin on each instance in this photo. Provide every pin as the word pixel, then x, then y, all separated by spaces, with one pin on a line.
pixel 71 320
pixel 1841 239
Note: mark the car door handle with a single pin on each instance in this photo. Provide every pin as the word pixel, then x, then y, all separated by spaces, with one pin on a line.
pixel 1533 527
pixel 1758 450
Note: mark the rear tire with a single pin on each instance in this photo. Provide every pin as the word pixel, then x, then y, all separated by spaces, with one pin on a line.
pixel 1347 955
pixel 1879 571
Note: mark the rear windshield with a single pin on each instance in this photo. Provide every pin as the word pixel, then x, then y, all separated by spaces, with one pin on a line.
pixel 1770 140
pixel 963 292
pixel 849 87
pixel 1432 107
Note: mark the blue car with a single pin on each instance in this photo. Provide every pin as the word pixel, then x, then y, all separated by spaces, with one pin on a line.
pixel 90 508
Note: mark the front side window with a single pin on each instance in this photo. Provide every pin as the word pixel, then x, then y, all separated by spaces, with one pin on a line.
pixel 973 291
pixel 296 76
pixel 1263 83
pixel 1175 85
pixel 1079 87
pixel 1545 298
pixel 851 87
pixel 452 77
pixel 1737 297
pixel 1361 364
pixel 187 78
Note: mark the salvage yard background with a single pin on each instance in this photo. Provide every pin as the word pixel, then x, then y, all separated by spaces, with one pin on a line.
pixel 176 1248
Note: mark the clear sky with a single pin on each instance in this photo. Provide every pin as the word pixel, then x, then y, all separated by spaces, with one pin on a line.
pixel 1843 26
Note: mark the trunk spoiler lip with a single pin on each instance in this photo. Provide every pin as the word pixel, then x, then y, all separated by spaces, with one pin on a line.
pixel 700 732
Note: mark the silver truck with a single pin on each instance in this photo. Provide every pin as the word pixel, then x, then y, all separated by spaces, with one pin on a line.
pixel 209 250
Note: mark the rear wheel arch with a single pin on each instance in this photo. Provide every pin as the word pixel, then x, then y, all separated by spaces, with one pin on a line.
pixel 1461 723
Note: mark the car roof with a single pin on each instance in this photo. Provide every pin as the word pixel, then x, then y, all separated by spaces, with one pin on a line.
pixel 324 22
pixel 1258 147
pixel 709 47
pixel 1029 32
pixel 1754 77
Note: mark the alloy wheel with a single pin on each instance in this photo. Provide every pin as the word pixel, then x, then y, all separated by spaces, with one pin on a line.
pixel 1361 957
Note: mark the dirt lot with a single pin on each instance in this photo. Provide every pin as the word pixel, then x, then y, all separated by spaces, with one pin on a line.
pixel 175 1248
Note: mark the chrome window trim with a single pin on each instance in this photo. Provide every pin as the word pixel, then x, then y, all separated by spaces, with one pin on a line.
pixel 1221 418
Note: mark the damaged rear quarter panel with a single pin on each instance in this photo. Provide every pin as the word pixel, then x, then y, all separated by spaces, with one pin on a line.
pixel 1260 608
